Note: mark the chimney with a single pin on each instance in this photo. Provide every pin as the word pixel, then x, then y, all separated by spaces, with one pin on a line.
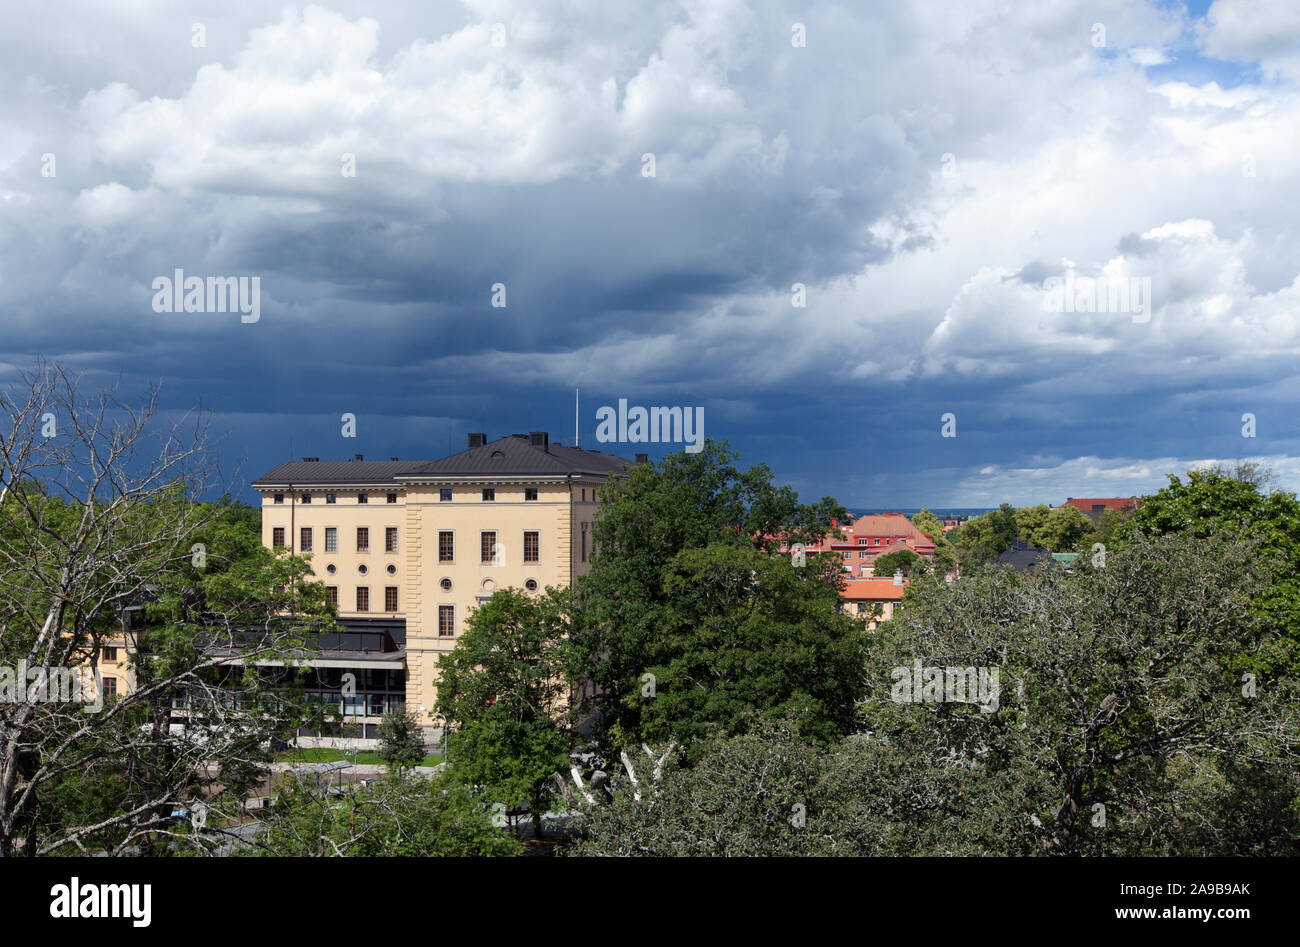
pixel 477 440
pixel 359 457
pixel 540 439
pixel 643 458
pixel 898 578
pixel 310 460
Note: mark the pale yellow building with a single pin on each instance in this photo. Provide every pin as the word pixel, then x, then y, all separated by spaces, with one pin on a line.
pixel 873 598
pixel 410 548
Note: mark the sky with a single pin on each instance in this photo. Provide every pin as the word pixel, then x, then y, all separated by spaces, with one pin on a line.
pixel 832 226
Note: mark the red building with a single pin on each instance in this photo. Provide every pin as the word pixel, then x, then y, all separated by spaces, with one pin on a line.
pixel 1095 506
pixel 870 537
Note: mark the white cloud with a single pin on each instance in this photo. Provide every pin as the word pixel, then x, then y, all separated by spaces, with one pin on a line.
pixel 1091 476
pixel 1267 31
pixel 1147 56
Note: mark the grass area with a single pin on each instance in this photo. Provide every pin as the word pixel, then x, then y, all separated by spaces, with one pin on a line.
pixel 328 755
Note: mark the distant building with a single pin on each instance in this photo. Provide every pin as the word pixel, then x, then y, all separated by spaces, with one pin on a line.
pixel 408 549
pixel 873 598
pixel 1094 506
pixel 872 536
pixel 1023 557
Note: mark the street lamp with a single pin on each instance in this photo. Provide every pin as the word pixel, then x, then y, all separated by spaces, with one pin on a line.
pixel 437 716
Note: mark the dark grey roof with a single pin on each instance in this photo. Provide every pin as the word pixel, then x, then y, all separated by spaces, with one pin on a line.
pixel 1022 557
pixel 513 455
pixel 336 471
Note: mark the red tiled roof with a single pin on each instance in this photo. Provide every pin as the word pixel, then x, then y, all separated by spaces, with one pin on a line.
pixel 879 589
pixel 889 524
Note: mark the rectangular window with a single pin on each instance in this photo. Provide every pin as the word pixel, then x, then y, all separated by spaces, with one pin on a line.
pixel 331 539
pixel 862 542
pixel 110 654
pixel 279 498
pixel 444 495
pixel 110 687
pixel 531 546
pixel 306 498
pixel 277 537
pixel 304 539
pixel 390 598
pixel 487 545
pixel 332 595
pixel 584 494
pixel 446 621
pixel 390 498
pixel 584 542
pixel 363 497
pixel 390 539
pixel 363 539
pixel 446 546
pixel 530 493
pixel 363 599
pixel 331 498
pixel 489 494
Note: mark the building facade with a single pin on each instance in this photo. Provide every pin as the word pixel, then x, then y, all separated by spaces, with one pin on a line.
pixel 869 537
pixel 872 598
pixel 423 543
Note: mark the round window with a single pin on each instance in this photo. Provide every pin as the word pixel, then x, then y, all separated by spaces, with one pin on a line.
pixel 331 568
pixel 446 585
pixel 531 585
pixel 392 569
pixel 362 569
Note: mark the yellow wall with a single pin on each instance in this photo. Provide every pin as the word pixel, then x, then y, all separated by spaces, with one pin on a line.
pixel 420 515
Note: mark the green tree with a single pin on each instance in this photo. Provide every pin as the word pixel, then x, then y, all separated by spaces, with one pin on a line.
pixel 1030 521
pixel 504 691
pixel 1216 501
pixel 747 635
pixel 410 817
pixel 401 741
pixel 1115 727
pixel 113 526
pixel 760 793
pixel 945 554
pixel 1063 529
pixel 904 561
pixel 982 538
pixel 687 585
pixel 1110 728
